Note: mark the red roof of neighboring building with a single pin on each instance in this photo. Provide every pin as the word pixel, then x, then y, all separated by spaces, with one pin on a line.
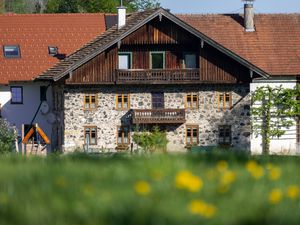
pixel 274 47
pixel 35 32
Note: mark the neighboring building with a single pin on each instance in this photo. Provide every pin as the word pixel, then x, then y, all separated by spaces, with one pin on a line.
pixel 189 74
pixel 30 44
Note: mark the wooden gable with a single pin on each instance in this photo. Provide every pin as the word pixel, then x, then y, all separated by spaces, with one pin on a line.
pixel 161 34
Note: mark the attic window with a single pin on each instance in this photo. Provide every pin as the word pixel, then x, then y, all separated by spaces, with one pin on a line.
pixel 11 51
pixel 52 50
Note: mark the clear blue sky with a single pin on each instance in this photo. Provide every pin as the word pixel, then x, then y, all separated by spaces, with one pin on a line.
pixel 230 6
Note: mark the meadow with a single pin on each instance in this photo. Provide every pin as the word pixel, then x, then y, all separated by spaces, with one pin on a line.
pixel 157 189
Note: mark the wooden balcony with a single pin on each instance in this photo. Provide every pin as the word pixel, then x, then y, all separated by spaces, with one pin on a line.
pixel 158 116
pixel 157 76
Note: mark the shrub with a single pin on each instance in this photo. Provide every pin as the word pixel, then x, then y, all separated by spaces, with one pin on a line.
pixel 7 137
pixel 151 141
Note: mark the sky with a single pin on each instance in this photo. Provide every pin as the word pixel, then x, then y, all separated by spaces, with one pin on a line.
pixel 230 6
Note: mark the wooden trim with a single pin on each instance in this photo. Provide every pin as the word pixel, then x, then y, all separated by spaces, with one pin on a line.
pixel 90 101
pixel 192 101
pixel 191 126
pixel 123 102
pixel 96 134
pixel 222 106
pixel 122 128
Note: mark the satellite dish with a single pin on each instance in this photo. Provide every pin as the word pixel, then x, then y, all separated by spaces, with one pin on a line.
pixel 45 108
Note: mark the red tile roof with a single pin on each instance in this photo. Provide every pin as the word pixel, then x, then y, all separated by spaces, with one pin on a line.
pixel 274 47
pixel 35 32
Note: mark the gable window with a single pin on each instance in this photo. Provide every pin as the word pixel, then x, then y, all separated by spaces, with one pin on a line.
pixel 11 51
pixel 90 135
pixel 157 60
pixel 192 135
pixel 190 61
pixel 90 101
pixel 224 100
pixel 123 139
pixel 225 135
pixel 191 101
pixel 43 93
pixel 16 95
pixel 123 101
pixel 125 60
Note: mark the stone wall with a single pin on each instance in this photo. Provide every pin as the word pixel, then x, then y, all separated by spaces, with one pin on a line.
pixel 106 117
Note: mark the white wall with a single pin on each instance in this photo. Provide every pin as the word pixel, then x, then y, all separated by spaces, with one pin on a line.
pixel 18 114
pixel 287 143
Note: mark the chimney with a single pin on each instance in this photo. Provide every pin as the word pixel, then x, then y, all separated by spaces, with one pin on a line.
pixel 121 16
pixel 249 16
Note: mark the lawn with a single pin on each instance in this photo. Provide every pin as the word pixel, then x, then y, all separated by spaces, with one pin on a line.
pixel 150 189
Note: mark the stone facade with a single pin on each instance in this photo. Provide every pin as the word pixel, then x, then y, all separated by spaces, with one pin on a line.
pixel 107 118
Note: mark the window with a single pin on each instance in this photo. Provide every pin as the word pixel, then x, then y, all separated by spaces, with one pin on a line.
pixel 16 95
pixel 125 60
pixel 52 50
pixel 225 135
pixel 123 101
pixel 11 51
pixel 191 101
pixel 123 136
pixel 190 61
pixel 43 93
pixel 90 135
pixel 158 101
pixel 224 100
pixel 192 135
pixel 157 60
pixel 90 102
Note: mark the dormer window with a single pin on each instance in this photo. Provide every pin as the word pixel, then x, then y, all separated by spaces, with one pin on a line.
pixel 11 51
pixel 52 50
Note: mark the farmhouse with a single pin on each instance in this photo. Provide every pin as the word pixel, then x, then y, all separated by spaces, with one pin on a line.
pixel 191 75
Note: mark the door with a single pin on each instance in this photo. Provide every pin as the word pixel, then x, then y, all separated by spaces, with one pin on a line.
pixel 158 101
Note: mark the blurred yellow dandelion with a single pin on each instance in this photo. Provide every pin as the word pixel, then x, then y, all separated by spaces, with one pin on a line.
pixel 293 192
pixel 274 173
pixel 275 196
pixel 222 166
pixel 186 180
pixel 228 177
pixel 255 170
pixel 142 187
pixel 198 207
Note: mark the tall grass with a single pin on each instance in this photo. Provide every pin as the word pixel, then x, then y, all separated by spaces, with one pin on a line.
pixel 156 189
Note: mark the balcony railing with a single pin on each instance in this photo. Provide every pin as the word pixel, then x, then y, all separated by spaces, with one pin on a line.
pixel 158 116
pixel 157 76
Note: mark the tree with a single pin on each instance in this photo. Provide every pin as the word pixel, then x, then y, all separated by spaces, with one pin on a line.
pixel 92 6
pixel 7 137
pixel 272 110
pixel 145 4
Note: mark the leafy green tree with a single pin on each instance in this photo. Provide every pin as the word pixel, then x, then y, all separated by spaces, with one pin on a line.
pixel 145 4
pixel 7 137
pixel 274 108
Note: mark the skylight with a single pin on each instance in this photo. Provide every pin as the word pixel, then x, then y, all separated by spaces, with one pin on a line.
pixel 11 51
pixel 52 50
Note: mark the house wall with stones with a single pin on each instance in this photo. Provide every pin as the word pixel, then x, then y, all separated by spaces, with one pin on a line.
pixel 107 118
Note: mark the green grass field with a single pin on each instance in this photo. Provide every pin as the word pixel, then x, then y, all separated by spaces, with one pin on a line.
pixel 157 189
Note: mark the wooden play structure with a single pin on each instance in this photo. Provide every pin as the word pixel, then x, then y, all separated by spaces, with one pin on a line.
pixel 34 140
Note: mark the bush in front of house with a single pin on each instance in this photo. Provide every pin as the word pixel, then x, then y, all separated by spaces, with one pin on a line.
pixel 151 141
pixel 7 137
